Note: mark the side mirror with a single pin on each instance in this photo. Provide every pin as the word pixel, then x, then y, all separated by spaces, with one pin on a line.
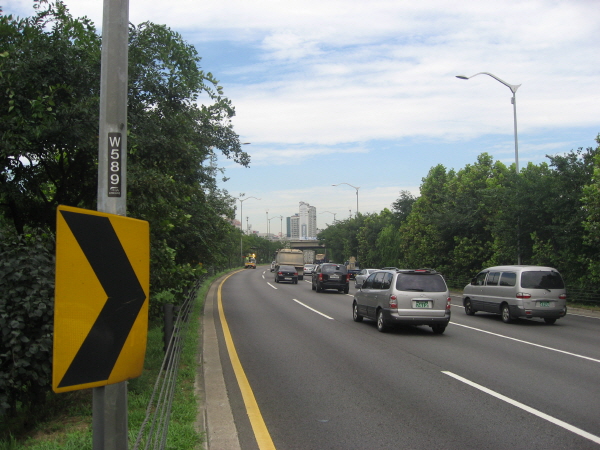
pixel 474 281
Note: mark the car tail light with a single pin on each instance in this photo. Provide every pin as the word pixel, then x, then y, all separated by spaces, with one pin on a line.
pixel 320 277
pixel 563 296
pixel 348 277
pixel 280 273
pixel 448 304
pixel 295 274
pixel 393 302
pixel 523 295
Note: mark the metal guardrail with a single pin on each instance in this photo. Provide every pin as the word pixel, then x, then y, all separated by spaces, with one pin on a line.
pixel 153 432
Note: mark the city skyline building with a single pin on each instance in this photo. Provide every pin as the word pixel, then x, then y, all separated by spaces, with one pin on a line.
pixel 303 224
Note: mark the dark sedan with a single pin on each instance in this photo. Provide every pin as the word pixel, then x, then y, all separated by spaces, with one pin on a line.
pixel 286 273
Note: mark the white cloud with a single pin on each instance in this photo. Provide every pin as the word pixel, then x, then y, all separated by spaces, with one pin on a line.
pixel 347 80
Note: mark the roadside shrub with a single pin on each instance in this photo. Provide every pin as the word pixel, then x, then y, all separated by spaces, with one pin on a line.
pixel 26 313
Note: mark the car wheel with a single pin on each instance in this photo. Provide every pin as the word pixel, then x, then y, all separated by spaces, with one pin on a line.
pixel 469 308
pixel 355 315
pixel 346 289
pixel 506 317
pixel 295 281
pixel 381 325
pixel 438 328
pixel 549 321
pixel 319 288
pixel 313 287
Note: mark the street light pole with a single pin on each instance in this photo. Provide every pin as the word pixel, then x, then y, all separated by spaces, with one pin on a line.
pixel 330 213
pixel 513 88
pixel 242 221
pixel 357 188
pixel 269 222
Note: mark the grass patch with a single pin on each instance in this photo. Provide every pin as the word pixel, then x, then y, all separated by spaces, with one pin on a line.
pixel 64 421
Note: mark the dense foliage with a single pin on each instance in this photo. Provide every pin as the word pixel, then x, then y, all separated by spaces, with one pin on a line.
pixel 178 118
pixel 26 305
pixel 486 214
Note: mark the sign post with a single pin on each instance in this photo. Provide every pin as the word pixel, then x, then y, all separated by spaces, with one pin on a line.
pixel 109 415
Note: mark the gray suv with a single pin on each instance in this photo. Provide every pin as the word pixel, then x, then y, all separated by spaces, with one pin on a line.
pixel 405 297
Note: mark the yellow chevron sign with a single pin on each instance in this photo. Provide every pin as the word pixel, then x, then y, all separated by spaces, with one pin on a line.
pixel 101 298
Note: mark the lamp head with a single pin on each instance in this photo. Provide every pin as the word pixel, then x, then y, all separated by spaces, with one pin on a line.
pixel 462 77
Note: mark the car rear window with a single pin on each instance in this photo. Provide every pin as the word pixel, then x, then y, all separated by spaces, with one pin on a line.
pixel 420 283
pixel 334 269
pixel 542 279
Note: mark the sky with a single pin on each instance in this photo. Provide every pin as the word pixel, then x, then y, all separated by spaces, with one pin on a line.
pixel 365 93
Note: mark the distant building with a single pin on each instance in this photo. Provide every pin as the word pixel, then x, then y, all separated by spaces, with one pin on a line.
pixel 308 221
pixel 293 227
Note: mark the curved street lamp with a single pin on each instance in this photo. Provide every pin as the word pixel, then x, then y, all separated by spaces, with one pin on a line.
pixel 330 213
pixel 276 217
pixel 242 220
pixel 357 188
pixel 513 88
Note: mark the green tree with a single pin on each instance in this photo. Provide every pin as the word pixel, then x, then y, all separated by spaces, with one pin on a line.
pixel 49 84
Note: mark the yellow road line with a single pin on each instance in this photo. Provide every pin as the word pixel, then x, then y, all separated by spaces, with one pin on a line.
pixel 263 438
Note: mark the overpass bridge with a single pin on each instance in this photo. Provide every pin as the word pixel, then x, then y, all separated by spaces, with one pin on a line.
pixel 305 244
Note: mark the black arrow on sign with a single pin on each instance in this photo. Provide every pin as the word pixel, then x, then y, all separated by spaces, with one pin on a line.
pixel 98 354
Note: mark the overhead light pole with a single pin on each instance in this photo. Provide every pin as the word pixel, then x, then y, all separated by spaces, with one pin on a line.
pixel 330 213
pixel 513 88
pixel 274 217
pixel 242 200
pixel 357 188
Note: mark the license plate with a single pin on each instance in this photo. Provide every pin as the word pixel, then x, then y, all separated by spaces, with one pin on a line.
pixel 288 278
pixel 334 277
pixel 421 304
pixel 544 303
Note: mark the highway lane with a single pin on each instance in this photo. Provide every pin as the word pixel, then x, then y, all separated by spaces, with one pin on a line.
pixel 323 381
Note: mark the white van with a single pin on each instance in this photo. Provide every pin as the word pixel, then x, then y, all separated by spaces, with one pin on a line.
pixel 517 291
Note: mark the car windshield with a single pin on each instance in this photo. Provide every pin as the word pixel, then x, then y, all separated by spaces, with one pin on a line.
pixel 543 279
pixel 420 283
pixel 333 269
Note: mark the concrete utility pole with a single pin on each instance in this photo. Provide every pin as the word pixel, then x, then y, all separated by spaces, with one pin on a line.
pixel 109 410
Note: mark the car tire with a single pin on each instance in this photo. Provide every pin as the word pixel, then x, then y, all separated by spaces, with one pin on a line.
pixel 469 307
pixel 346 289
pixel 319 288
pixel 355 315
pixel 312 286
pixel 295 281
pixel 505 312
pixel 438 328
pixel 381 325
pixel 550 321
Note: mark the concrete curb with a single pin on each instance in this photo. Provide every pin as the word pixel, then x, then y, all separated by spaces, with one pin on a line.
pixel 214 418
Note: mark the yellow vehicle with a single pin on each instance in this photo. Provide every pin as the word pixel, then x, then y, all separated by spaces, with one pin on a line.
pixel 250 262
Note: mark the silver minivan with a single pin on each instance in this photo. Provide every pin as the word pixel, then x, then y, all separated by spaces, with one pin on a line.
pixel 404 297
pixel 517 291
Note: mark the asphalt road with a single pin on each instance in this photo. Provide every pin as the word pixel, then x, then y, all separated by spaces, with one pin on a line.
pixel 322 381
